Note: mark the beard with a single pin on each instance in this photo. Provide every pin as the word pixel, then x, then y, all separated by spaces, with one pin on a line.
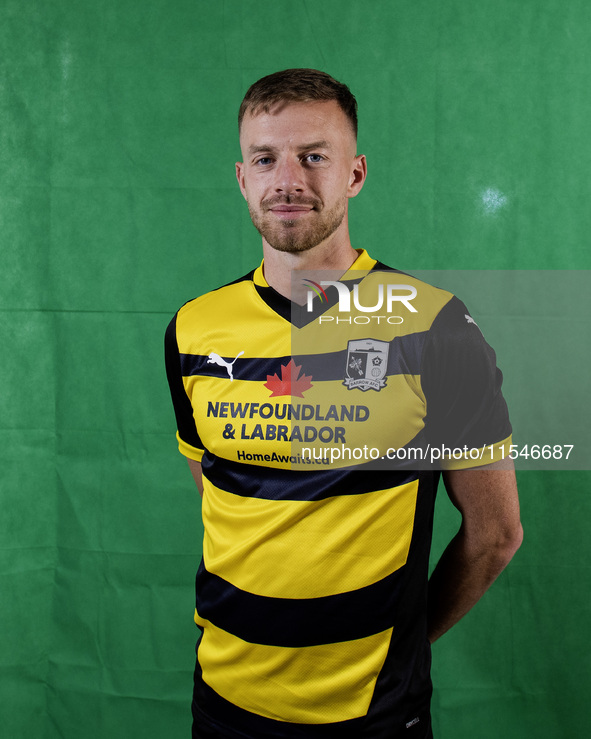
pixel 292 235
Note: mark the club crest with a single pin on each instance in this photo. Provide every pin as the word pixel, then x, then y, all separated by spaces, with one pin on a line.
pixel 367 364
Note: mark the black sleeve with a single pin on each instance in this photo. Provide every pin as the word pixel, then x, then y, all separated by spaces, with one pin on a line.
pixel 462 383
pixel 180 400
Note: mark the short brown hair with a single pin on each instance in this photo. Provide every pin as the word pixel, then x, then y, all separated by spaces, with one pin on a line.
pixel 301 86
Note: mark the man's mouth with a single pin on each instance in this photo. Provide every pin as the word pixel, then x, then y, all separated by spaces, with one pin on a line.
pixel 290 212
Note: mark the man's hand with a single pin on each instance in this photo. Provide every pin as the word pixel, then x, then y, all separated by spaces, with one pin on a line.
pixel 488 538
pixel 195 468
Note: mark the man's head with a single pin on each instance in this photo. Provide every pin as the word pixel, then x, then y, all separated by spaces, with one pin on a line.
pixel 298 139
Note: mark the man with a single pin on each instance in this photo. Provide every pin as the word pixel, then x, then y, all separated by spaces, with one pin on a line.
pixel 312 591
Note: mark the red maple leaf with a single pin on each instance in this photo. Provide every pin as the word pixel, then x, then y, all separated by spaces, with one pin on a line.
pixel 290 382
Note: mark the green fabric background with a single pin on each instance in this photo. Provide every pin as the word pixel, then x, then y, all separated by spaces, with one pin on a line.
pixel 118 203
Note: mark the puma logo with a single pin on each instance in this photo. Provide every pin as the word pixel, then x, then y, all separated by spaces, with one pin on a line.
pixel 216 359
pixel 469 319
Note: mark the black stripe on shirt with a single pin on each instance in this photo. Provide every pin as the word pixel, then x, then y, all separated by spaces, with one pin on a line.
pixel 404 357
pixel 270 483
pixel 298 622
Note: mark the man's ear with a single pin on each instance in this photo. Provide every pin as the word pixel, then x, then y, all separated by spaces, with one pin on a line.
pixel 358 175
pixel 240 178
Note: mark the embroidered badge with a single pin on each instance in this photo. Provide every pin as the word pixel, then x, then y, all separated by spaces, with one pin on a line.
pixel 367 364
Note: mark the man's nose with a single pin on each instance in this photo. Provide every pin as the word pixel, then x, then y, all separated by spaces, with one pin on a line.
pixel 289 176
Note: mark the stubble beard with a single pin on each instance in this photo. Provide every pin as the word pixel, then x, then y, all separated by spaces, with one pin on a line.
pixel 291 235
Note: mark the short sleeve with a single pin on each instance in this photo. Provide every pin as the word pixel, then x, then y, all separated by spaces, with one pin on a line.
pixel 462 387
pixel 188 438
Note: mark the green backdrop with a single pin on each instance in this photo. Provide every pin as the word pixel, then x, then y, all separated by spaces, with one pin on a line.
pixel 118 203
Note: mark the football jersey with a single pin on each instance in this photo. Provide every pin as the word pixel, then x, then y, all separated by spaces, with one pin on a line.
pixel 311 593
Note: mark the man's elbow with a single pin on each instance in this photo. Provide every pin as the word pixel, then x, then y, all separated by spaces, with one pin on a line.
pixel 507 544
pixel 516 539
pixel 495 548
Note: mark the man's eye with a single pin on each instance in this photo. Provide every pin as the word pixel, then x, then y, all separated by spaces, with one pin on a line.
pixel 314 158
pixel 263 160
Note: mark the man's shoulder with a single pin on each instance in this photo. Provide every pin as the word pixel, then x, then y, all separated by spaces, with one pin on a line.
pixel 218 299
pixel 427 300
pixel 200 318
pixel 400 276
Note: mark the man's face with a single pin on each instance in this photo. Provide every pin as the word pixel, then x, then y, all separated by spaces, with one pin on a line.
pixel 298 172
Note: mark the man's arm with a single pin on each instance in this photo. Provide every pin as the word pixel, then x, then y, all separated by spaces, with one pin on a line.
pixel 488 537
pixel 195 468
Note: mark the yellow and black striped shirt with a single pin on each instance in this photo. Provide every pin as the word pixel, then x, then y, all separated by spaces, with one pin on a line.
pixel 311 593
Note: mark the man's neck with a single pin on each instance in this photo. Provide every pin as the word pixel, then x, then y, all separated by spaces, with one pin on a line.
pixel 279 266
